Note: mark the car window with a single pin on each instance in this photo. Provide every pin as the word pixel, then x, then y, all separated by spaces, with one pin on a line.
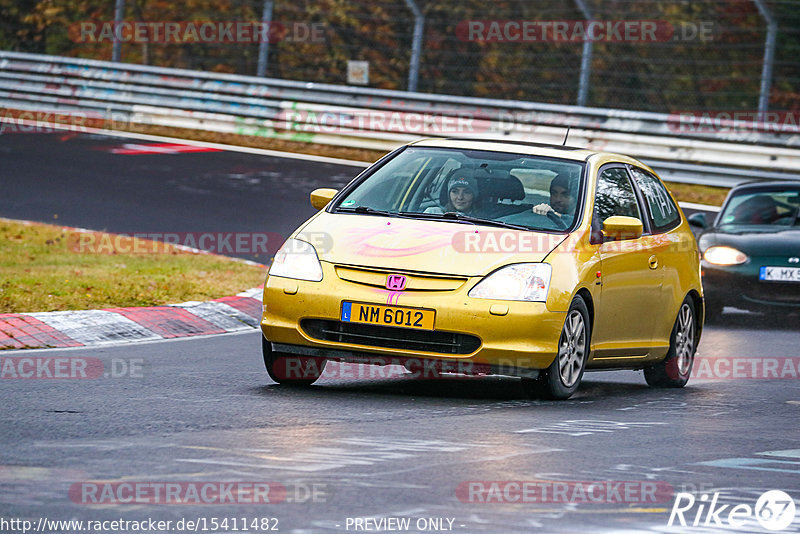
pixel 664 214
pixel 762 208
pixel 502 187
pixel 614 196
pixel 391 185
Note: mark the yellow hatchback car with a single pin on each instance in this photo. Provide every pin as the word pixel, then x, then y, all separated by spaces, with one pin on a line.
pixel 490 257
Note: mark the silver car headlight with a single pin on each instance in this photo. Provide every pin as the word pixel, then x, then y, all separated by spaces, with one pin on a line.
pixel 521 281
pixel 297 259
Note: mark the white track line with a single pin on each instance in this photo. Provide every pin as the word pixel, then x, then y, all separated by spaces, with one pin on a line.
pixel 704 207
pixel 130 343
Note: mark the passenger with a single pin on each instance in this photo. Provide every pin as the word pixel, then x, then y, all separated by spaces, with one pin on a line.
pixel 462 194
pixel 562 200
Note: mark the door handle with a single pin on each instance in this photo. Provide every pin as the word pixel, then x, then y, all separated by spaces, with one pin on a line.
pixel 653 261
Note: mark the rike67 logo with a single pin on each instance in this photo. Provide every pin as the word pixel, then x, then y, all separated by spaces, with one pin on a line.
pixel 774 510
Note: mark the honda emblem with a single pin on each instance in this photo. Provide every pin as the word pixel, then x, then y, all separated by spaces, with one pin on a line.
pixel 396 282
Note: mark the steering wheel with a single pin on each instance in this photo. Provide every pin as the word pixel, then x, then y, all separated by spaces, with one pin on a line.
pixel 560 224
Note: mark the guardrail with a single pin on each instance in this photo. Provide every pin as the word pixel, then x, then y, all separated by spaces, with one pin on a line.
pixel 679 147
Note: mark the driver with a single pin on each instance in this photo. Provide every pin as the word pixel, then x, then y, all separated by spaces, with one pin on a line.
pixel 562 200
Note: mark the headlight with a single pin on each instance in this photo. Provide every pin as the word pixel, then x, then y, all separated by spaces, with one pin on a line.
pixel 523 281
pixel 297 259
pixel 719 255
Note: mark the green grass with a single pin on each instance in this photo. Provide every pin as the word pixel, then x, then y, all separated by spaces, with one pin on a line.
pixel 42 269
pixel 700 194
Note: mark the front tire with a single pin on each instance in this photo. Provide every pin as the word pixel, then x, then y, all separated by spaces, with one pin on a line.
pixel 291 369
pixel 562 378
pixel 674 370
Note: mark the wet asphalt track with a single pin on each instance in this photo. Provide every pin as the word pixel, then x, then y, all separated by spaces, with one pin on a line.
pixel 204 410
pixel 76 180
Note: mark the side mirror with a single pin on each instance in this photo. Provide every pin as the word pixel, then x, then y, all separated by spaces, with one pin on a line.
pixel 619 227
pixel 321 197
pixel 698 220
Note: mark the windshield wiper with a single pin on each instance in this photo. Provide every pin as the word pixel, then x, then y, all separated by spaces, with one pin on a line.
pixel 372 211
pixel 452 215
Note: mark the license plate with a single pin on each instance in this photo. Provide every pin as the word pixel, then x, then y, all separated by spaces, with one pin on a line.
pixel 358 312
pixel 780 274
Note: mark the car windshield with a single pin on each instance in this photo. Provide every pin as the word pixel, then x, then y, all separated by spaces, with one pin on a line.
pixel 472 186
pixel 762 208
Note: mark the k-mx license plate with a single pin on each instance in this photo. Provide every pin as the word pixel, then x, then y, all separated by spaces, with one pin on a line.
pixel 357 312
pixel 780 274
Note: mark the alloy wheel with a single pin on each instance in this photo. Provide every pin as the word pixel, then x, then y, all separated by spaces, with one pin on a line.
pixel 572 349
pixel 684 339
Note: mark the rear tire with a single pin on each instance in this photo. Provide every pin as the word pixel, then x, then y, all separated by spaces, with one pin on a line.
pixel 562 378
pixel 291 369
pixel 674 370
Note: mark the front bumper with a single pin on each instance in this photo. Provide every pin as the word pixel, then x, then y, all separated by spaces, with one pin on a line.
pixel 739 286
pixel 524 337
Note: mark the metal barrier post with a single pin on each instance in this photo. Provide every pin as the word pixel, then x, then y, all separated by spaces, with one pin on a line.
pixel 416 45
pixel 119 14
pixel 769 57
pixel 263 46
pixel 586 57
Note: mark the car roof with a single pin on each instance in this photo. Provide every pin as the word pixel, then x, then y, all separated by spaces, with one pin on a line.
pixel 771 184
pixel 513 146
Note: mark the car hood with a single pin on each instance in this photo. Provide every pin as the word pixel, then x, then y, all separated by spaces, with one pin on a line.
pixel 755 243
pixel 422 245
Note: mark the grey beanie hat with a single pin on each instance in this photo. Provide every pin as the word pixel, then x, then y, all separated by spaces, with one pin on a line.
pixel 463 179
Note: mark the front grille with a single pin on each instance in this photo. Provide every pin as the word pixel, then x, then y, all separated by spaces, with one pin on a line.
pixel 391 337
pixel 415 281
